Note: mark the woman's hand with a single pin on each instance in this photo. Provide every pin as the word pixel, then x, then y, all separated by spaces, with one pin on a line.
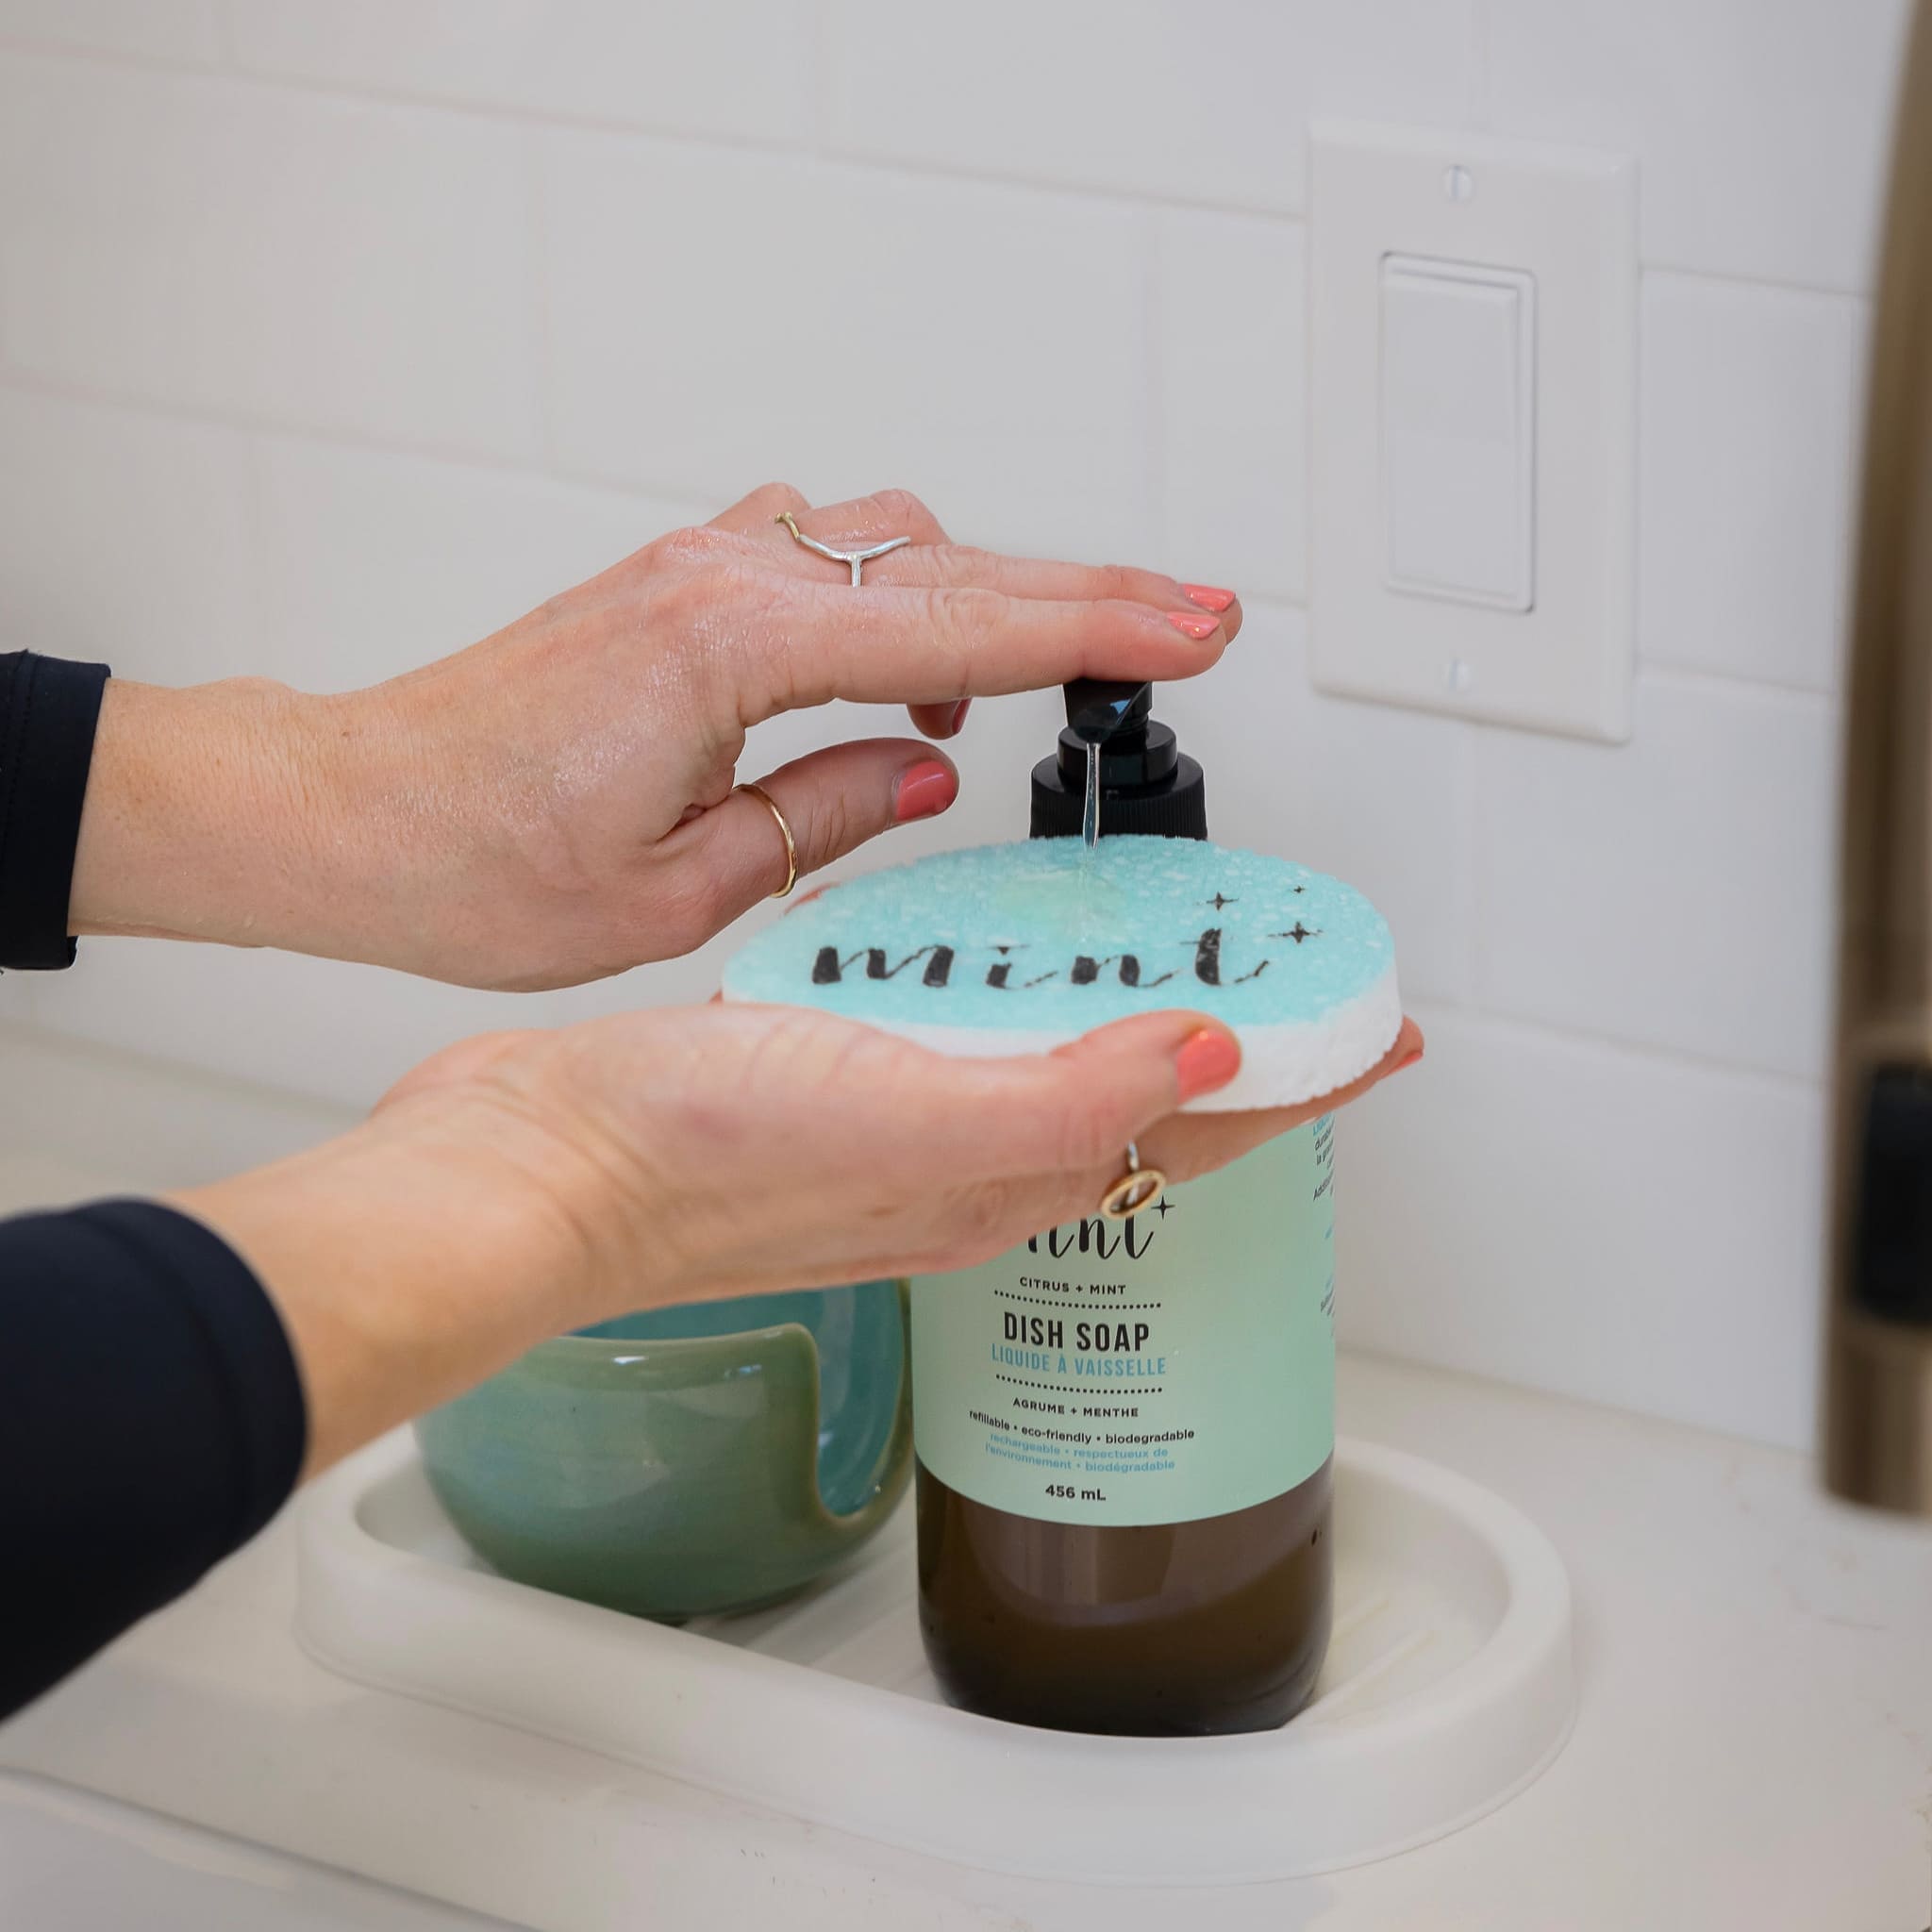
pixel 524 1184
pixel 556 802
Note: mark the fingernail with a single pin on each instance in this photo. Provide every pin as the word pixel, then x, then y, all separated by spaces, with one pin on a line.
pixel 1407 1060
pixel 960 712
pixel 923 790
pixel 1195 627
pixel 1208 1059
pixel 1209 596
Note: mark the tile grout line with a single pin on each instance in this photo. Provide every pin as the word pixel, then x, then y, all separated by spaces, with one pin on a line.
pixel 1616 1046
pixel 504 114
pixel 825 152
pixel 1691 680
pixel 26 382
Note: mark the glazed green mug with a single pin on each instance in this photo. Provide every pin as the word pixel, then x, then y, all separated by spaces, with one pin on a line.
pixel 687 1460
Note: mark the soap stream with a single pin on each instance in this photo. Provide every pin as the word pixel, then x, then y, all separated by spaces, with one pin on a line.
pixel 1090 809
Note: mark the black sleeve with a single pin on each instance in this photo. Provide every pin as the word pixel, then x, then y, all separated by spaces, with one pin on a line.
pixel 151 1421
pixel 48 711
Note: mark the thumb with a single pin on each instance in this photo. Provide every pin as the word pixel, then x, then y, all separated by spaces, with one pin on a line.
pixel 1076 1108
pixel 832 801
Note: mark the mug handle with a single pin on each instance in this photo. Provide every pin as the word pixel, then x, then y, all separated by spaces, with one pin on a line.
pixel 887 1479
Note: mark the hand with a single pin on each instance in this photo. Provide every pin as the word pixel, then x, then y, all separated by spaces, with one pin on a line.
pixel 524 1184
pixel 556 804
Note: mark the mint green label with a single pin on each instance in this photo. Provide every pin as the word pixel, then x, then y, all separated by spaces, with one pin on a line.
pixel 1176 1365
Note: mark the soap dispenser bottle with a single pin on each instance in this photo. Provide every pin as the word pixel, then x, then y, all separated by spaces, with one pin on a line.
pixel 1084 1606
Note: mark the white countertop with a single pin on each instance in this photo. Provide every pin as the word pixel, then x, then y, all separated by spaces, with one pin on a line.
pixel 1753 1743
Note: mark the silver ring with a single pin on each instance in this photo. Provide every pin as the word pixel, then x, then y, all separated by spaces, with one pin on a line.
pixel 853 559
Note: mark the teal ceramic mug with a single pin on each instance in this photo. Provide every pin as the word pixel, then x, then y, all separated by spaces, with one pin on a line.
pixel 685 1460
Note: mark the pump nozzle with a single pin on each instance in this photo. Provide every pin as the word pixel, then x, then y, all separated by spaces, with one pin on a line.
pixel 1100 708
pixel 1146 784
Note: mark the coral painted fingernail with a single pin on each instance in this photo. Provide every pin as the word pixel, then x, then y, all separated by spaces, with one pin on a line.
pixel 1209 596
pixel 1208 1059
pixel 1195 627
pixel 1407 1060
pixel 923 790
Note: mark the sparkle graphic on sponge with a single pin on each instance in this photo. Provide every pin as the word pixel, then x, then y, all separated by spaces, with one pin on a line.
pixel 1298 932
pixel 1221 899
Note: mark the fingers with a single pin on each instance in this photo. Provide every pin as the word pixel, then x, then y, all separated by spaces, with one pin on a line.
pixel 949 566
pixel 1188 1145
pixel 956 621
pixel 1070 1112
pixel 933 561
pixel 927 646
pixel 755 514
pixel 833 801
pixel 940 720
pixel 855 525
pixel 1117 1091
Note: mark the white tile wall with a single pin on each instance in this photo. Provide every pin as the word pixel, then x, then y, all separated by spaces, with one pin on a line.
pixel 153 29
pixel 1746 452
pixel 1592 1221
pixel 334 265
pixel 334 333
pixel 849 330
pixel 745 69
pixel 1178 100
pixel 1678 893
pixel 1232 400
pixel 1759 126
pixel 372 562
pixel 124 538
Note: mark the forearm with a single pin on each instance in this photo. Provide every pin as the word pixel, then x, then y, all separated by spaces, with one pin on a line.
pixel 409 1258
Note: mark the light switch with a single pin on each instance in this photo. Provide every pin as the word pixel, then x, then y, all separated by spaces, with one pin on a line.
pixel 1471 426
pixel 1457 408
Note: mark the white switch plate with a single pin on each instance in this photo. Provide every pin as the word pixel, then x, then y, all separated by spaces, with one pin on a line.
pixel 1490 581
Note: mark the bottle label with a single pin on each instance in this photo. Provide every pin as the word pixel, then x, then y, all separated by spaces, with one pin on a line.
pixel 1176 1365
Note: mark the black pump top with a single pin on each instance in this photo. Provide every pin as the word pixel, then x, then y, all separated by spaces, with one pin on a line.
pixel 1147 785
pixel 1099 709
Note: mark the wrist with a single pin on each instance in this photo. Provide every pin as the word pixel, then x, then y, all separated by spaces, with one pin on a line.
pixel 411 1258
pixel 202 804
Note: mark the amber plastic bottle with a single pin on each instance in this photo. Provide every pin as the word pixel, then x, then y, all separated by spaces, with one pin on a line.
pixel 1216 1624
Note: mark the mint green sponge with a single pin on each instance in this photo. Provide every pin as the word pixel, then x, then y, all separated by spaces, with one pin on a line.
pixel 1018 948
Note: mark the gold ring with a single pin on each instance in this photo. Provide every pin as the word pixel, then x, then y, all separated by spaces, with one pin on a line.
pixel 770 804
pixel 1135 1189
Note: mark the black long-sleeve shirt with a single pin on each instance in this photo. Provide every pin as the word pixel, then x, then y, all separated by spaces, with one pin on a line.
pixel 151 1413
pixel 151 1422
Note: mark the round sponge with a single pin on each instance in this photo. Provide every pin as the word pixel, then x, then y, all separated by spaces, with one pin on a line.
pixel 1006 949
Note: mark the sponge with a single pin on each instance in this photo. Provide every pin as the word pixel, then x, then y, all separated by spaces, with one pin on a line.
pixel 1008 949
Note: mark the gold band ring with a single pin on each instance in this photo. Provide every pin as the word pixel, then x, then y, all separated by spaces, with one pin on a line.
pixel 1139 1188
pixel 770 804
